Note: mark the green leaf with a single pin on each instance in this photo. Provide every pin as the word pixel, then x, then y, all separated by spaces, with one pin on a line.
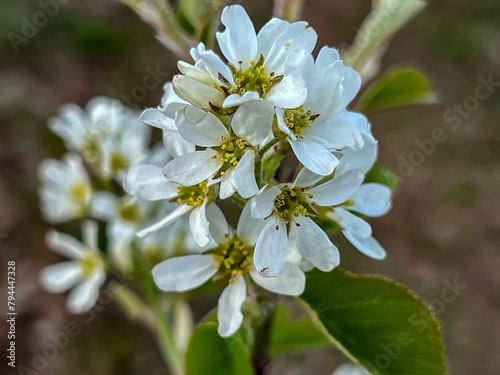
pixel 287 334
pixel 398 87
pixel 382 176
pixel 377 322
pixel 208 353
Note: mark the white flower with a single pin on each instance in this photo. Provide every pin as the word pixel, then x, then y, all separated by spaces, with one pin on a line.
pixel 65 192
pixel 125 147
pixel 348 369
pixel 370 199
pixel 171 240
pixel 148 182
pixel 231 154
pixel 82 130
pixel 322 124
pixel 267 65
pixel 124 216
pixel 232 257
pixel 84 273
pixel 288 210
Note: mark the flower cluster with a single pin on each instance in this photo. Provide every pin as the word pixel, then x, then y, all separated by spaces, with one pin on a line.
pixel 228 123
pixel 104 140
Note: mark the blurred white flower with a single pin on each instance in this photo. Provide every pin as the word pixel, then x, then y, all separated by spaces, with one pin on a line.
pixel 124 217
pixel 65 191
pixel 267 65
pixel 106 134
pixel 232 256
pixel 85 272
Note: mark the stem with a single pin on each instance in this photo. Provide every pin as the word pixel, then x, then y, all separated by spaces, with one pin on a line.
pixel 289 10
pixel 238 200
pixel 166 340
pixel 267 146
pixel 262 339
pixel 161 322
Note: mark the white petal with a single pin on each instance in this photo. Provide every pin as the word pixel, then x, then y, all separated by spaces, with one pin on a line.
pixel 234 100
pixel 327 94
pixel 167 220
pixel 198 73
pixel 226 186
pixel 157 118
pixel 84 296
pixel 170 101
pixel 297 35
pixel 362 159
pixel 238 41
pixel 326 57
pixel 263 203
pixel 306 178
pixel 200 127
pixel 216 67
pixel 314 156
pixel 65 244
pixel 248 228
pixel 197 93
pixel 269 33
pixel 229 307
pixel 148 182
pixel 372 199
pixel 350 222
pixel 175 143
pixel 60 277
pixel 89 234
pixel 351 86
pixel 291 281
pixel 314 245
pixel 338 189
pixel 104 205
pixel 184 273
pixel 193 168
pixel 291 92
pixel 253 121
pixel 280 113
pixel 367 245
pixel 199 225
pixel 219 228
pixel 271 248
pixel 335 133
pixel 243 178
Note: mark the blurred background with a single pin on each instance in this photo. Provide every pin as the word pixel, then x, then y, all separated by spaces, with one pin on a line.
pixel 444 227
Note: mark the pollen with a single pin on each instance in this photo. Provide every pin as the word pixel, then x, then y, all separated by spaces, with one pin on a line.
pixel 298 120
pixel 194 195
pixel 234 257
pixel 253 78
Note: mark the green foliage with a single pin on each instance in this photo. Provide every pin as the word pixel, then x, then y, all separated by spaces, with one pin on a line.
pixel 377 322
pixel 287 334
pixel 396 88
pixel 208 353
pixel 383 176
